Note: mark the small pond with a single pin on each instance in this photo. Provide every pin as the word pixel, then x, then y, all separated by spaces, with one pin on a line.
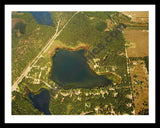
pixel 41 101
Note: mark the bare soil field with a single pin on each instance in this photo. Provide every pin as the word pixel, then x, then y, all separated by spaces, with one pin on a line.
pixel 138 16
pixel 139 42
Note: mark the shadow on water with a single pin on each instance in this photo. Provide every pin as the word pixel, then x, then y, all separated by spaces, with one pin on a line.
pixel 41 101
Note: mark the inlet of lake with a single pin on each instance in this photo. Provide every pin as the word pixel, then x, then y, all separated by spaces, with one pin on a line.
pixel 70 70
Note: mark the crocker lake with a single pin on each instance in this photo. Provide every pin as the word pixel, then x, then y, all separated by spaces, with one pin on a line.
pixel 70 70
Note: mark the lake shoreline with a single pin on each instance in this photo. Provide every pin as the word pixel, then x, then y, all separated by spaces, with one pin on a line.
pixel 69 48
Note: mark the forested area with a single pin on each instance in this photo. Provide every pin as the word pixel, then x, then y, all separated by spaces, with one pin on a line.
pixel 31 39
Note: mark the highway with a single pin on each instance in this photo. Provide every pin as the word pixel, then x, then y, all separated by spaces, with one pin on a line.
pixel 45 48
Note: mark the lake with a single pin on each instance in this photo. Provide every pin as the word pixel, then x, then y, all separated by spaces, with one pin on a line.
pixel 41 101
pixel 70 70
pixel 43 18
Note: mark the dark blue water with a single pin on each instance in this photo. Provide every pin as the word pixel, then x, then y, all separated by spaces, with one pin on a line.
pixel 70 70
pixel 41 101
pixel 43 18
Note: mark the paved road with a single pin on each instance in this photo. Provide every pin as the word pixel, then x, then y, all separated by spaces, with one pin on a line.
pixel 45 48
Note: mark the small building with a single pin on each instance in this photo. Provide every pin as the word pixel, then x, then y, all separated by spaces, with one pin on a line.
pixel 115 94
pixel 111 89
pixel 36 81
pixel 97 108
pixel 129 105
pixel 129 96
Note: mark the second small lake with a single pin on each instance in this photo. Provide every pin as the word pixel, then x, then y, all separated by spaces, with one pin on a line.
pixel 41 101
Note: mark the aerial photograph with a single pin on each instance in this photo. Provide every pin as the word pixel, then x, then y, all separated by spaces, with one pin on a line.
pixel 79 63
